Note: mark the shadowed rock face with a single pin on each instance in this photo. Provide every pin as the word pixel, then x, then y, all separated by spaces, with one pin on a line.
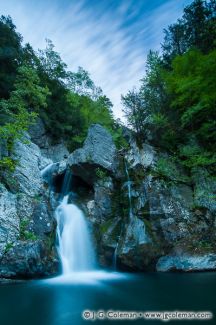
pixel 99 151
pixel 40 137
pixel 27 221
pixel 173 227
pixel 28 260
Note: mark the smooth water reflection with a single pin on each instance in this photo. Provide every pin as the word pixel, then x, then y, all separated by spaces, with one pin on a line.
pixel 61 301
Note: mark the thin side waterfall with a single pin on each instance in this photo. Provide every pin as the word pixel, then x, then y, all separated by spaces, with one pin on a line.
pixel 66 183
pixel 115 256
pixel 47 172
pixel 136 222
pixel 129 192
pixel 130 214
pixel 74 246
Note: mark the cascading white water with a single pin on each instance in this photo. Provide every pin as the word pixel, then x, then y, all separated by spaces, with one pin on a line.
pixel 74 246
pixel 74 243
pixel 46 173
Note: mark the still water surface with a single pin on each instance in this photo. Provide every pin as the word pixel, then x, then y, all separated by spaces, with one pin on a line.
pixel 59 302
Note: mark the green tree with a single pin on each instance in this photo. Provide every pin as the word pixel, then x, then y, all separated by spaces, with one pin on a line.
pixel 10 55
pixel 80 82
pixel 192 84
pixel 196 29
pixel 18 111
pixel 52 63
pixel 134 110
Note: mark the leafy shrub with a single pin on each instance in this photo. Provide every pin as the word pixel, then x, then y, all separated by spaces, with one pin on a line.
pixel 8 163
pixel 24 233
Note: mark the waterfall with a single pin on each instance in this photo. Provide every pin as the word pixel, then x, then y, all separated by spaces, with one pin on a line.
pixel 115 256
pixel 47 172
pixel 67 183
pixel 129 191
pixel 130 215
pixel 74 244
pixel 135 222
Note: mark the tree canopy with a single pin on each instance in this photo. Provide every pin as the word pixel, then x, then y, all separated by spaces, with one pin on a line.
pixel 177 96
pixel 40 84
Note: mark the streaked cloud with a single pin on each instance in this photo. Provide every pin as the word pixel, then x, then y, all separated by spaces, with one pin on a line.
pixel 109 38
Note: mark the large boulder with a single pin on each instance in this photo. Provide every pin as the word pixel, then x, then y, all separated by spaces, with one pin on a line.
pixel 28 260
pixel 136 251
pixel 187 263
pixel 98 152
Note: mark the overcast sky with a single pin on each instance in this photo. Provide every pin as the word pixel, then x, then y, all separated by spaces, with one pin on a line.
pixel 108 38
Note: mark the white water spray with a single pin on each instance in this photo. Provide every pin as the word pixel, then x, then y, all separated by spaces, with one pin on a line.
pixel 74 244
pixel 74 247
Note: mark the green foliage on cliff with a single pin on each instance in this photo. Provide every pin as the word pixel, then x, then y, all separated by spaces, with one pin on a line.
pixel 177 98
pixel 74 102
pixel 25 234
pixel 19 111
pixel 39 84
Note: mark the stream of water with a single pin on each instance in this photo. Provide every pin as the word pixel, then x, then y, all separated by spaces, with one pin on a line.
pixel 75 247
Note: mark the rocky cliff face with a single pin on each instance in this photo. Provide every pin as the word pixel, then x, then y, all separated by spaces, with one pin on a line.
pixel 173 223
pixel 168 223
pixel 173 220
pixel 27 223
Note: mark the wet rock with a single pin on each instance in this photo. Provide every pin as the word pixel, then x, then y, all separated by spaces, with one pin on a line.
pixel 187 263
pixel 43 221
pixel 136 250
pixel 27 260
